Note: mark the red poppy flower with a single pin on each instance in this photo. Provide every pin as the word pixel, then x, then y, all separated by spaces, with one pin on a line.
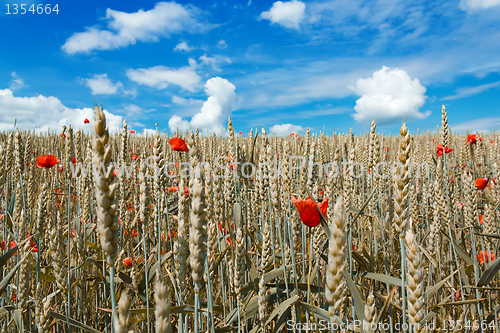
pixel 47 161
pixel 73 160
pixel 12 245
pixel 481 217
pixel 62 135
pixel 115 172
pixel 135 157
pixel 131 131
pixel 472 138
pixel 493 142
pixel 439 151
pixel 386 148
pixel 481 183
pixel 32 152
pixel 432 140
pixel 60 167
pixel 186 191
pixel 240 132
pixel 134 233
pixel 308 211
pixel 86 121
pixel 178 144
pixel 457 295
pixel 485 256
pixel 127 262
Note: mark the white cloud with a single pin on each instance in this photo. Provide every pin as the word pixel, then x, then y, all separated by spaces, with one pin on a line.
pixel 177 123
pixel 469 91
pixel 186 101
pixel 101 85
pixel 16 83
pixel 474 5
pixel 148 132
pixel 286 129
pixel 209 61
pixel 133 109
pixel 222 44
pixel 215 110
pixel 477 125
pixel 183 46
pixel 288 14
pixel 128 28
pixel 135 124
pixel 41 113
pixel 388 96
pixel 160 76
pixel 132 92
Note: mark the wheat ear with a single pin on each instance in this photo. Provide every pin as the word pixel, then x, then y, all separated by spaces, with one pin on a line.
pixel 336 258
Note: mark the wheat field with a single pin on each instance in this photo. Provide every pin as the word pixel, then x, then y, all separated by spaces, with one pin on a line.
pixel 111 233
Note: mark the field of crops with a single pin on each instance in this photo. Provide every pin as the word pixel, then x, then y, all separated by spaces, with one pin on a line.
pixel 312 232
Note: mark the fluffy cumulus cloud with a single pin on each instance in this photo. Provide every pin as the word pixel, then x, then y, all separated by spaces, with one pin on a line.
pixel 160 76
pixel 474 5
pixel 148 132
pixel 101 85
pixel 215 110
pixel 124 29
pixel 388 96
pixel 286 129
pixel 183 46
pixel 288 14
pixel 41 113
pixel 177 123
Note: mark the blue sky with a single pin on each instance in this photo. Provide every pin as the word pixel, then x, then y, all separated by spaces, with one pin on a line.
pixel 283 65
